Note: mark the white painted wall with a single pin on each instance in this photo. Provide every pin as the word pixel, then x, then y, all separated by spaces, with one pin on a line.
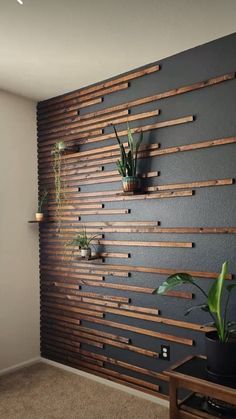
pixel 19 277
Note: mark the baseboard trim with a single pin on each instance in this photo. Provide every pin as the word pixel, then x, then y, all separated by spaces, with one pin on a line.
pixel 16 367
pixel 112 384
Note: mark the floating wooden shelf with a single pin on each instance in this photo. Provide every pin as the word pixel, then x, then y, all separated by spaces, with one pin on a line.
pixel 40 222
pixel 86 259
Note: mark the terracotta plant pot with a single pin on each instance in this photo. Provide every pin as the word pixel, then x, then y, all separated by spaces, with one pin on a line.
pixel 221 359
pixel 39 216
pixel 85 253
pixel 131 184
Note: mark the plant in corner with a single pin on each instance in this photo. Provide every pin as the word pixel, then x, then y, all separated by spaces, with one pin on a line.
pixel 83 242
pixel 127 164
pixel 39 216
pixel 58 149
pixel 221 341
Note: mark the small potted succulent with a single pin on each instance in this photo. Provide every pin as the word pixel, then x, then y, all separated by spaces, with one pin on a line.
pixel 127 164
pixel 83 242
pixel 221 340
pixel 39 216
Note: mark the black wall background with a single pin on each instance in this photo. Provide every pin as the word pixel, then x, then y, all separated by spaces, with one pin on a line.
pixel 214 111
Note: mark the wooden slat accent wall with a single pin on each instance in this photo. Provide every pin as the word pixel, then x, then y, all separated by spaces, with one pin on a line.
pixel 94 314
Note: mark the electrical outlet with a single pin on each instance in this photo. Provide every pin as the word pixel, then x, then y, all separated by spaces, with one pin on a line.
pixel 165 352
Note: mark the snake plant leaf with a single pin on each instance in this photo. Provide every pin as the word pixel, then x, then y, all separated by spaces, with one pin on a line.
pixel 172 281
pixel 130 139
pixel 216 290
pixel 121 168
pixel 203 307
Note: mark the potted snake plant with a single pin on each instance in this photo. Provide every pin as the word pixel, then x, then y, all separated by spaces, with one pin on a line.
pixel 39 216
pixel 127 164
pixel 221 340
pixel 83 242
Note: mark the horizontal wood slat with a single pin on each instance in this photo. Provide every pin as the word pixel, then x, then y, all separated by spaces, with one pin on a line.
pixel 67 110
pixel 146 332
pixel 81 319
pixel 170 93
pixel 85 98
pixel 145 244
pixel 131 288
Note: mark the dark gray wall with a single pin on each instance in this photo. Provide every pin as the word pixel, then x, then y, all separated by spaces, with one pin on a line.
pixel 214 111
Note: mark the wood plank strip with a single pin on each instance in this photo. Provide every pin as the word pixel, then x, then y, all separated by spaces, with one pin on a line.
pixel 67 110
pixel 95 302
pixel 79 268
pixel 51 320
pixel 171 150
pixel 132 288
pixel 160 271
pixel 102 297
pixel 97 125
pixel 68 341
pixel 105 212
pixel 198 184
pixel 72 309
pixel 170 93
pixel 158 230
pixel 144 128
pixel 145 243
pixel 138 330
pixel 79 334
pixel 103 338
pixel 81 123
pixel 132 348
pixel 85 98
pixel 138 314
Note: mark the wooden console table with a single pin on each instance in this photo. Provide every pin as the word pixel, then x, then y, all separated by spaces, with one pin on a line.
pixel 191 375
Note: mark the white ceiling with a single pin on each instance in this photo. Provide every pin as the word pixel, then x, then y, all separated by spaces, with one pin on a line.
pixel 48 47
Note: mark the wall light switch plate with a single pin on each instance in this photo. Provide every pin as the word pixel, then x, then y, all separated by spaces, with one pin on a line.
pixel 165 352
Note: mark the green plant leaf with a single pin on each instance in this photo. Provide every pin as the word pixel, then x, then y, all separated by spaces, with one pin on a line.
pixel 215 292
pixel 203 307
pixel 172 281
pixel 215 300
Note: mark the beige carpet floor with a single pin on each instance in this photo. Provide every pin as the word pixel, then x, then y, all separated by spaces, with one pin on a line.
pixel 45 392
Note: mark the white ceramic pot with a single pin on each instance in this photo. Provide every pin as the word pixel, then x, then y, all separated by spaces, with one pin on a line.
pixel 39 216
pixel 85 253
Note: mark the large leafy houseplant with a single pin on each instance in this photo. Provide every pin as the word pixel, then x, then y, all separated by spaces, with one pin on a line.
pixel 216 303
pixel 127 164
pixel 83 242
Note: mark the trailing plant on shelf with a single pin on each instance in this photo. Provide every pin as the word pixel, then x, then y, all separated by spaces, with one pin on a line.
pixel 221 341
pixel 83 242
pixel 127 164
pixel 43 196
pixel 58 149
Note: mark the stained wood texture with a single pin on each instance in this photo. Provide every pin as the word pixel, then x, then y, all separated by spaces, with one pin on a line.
pixel 88 307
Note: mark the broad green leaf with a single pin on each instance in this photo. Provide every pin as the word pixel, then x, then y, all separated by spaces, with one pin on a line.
pixel 216 290
pixel 172 281
pixel 203 307
pixel 215 301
